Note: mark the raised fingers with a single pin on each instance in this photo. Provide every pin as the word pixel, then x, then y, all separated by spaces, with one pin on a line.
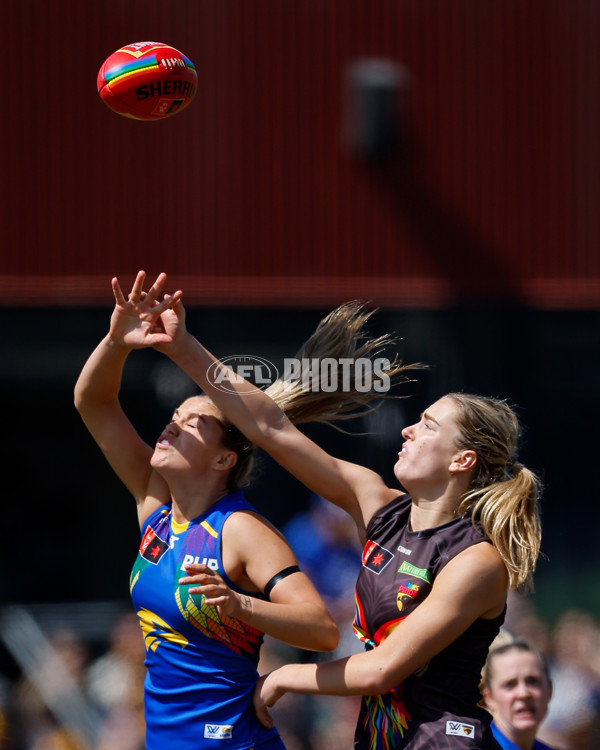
pixel 138 286
pixel 168 301
pixel 156 288
pixel 119 297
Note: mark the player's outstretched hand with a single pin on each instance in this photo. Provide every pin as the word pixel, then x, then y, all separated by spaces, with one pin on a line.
pixel 136 320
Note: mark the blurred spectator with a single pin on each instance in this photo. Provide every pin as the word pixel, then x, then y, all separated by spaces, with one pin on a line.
pixel 36 727
pixel 572 648
pixel 115 683
pixel 114 675
pixel 516 690
pixel 573 719
pixel 7 729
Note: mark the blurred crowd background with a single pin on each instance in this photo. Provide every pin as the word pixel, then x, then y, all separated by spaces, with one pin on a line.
pixel 80 691
pixel 438 159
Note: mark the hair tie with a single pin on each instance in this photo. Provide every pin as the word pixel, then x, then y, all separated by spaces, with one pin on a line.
pixel 513 466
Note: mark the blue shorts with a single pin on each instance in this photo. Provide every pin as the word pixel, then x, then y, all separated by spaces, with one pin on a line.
pixel 275 744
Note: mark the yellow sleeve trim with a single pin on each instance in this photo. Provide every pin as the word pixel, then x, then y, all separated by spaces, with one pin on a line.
pixel 209 528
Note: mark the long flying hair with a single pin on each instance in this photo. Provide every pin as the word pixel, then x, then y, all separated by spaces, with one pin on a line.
pixel 341 335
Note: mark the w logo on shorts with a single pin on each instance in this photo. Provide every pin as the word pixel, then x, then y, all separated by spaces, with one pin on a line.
pixel 459 729
pixel 218 731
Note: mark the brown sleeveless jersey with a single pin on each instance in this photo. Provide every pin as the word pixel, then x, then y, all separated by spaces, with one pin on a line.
pixel 435 708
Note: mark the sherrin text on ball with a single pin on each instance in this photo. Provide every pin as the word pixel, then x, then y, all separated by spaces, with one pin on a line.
pixel 147 81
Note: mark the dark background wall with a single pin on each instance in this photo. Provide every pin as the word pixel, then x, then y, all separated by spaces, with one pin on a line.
pixel 251 197
pixel 479 241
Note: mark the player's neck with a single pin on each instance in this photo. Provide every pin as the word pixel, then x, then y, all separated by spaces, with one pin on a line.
pixel 428 514
pixel 524 739
pixel 190 505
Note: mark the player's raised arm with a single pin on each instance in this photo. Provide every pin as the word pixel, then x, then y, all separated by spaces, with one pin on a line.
pixel 134 324
pixel 262 416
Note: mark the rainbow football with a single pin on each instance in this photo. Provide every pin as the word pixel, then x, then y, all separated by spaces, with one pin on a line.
pixel 147 81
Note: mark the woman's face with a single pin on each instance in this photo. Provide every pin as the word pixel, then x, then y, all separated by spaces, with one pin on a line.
pixel 518 693
pixel 429 448
pixel 193 438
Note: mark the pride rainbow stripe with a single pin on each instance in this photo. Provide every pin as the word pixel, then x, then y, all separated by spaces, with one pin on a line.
pixel 129 68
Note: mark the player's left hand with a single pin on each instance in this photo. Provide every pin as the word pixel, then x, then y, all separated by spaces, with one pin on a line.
pixel 204 580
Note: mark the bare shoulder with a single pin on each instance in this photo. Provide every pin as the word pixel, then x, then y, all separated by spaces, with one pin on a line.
pixel 254 550
pixel 484 552
pixel 243 522
pixel 482 561
pixel 247 535
pixel 478 576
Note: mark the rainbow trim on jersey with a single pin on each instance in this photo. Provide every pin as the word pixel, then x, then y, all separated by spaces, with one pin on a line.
pixel 386 720
pixel 360 628
pixel 359 625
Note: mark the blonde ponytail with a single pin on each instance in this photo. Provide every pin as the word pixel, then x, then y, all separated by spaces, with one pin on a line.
pixel 504 495
pixel 509 516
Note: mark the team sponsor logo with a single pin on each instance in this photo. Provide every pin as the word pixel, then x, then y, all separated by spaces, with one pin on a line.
pixel 407 591
pixel 412 570
pixel 406 588
pixel 375 557
pixel 152 547
pixel 459 729
pixel 191 560
pixel 218 731
pixel 403 550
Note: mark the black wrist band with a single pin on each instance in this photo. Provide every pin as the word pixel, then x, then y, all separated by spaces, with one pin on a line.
pixel 278 576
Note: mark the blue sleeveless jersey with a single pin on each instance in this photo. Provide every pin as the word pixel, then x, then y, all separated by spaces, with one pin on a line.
pixel 201 668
